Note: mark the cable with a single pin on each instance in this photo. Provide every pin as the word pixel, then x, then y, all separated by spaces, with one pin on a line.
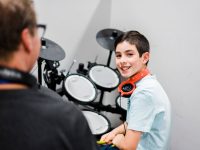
pixel 120 103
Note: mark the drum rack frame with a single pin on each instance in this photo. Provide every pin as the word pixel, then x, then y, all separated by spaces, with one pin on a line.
pixel 98 106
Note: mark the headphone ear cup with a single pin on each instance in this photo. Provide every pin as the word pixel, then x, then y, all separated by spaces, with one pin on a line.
pixel 126 88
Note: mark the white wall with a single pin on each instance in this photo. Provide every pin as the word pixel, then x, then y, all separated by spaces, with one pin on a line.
pixel 172 28
pixel 73 25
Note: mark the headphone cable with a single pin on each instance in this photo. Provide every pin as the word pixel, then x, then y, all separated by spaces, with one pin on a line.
pixel 120 102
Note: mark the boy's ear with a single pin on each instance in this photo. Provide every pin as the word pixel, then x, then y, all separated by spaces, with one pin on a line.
pixel 145 56
pixel 26 39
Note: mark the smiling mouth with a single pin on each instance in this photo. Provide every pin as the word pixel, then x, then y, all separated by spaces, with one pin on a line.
pixel 125 68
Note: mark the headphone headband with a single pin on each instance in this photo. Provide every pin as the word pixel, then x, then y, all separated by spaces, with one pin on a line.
pixel 127 87
pixel 17 76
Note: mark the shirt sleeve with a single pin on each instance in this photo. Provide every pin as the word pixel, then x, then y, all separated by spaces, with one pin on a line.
pixel 141 112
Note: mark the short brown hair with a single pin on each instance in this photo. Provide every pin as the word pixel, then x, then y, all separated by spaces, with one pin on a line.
pixel 15 16
pixel 134 38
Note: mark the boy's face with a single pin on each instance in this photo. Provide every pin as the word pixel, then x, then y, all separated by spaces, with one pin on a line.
pixel 128 60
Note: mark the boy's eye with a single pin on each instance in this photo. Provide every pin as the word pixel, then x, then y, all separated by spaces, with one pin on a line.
pixel 129 54
pixel 118 56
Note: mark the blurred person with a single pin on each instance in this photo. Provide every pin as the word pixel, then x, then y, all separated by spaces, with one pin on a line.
pixel 29 118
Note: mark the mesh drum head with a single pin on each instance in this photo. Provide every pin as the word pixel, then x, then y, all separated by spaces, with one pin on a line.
pixel 80 88
pixel 123 103
pixel 104 76
pixel 97 123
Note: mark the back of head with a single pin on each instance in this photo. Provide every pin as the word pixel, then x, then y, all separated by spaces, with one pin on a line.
pixel 15 16
pixel 134 38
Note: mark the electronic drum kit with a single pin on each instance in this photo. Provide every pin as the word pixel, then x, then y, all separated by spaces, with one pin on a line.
pixel 82 87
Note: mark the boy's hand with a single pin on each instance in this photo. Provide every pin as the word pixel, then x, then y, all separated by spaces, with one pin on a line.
pixel 108 137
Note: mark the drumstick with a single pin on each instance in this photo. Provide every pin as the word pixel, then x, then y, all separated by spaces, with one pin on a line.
pixel 71 66
pixel 103 142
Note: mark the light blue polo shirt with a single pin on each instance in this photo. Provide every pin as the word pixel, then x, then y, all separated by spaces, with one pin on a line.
pixel 149 111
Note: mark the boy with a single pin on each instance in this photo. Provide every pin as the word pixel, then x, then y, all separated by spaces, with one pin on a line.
pixel 148 118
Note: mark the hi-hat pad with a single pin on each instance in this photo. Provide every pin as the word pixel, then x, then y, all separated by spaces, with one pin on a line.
pixel 51 51
pixel 106 38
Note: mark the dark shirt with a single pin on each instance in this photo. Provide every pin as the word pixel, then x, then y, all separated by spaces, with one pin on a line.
pixel 35 119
